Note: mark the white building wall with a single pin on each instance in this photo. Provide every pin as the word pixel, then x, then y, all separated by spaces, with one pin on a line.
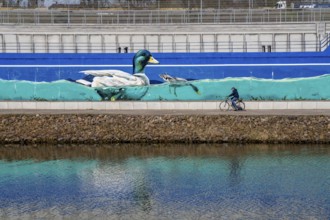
pixel 152 43
pixel 194 43
pixel 68 43
pixel 10 43
pixel 96 43
pixel 137 42
pixel 223 42
pixel 82 43
pixel 40 43
pixel 281 42
pixel 25 43
pixel 54 43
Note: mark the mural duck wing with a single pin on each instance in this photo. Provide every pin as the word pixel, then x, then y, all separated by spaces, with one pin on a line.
pixel 110 73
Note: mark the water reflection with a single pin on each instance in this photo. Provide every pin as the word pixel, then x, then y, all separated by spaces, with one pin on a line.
pixel 124 151
pixel 235 165
pixel 165 182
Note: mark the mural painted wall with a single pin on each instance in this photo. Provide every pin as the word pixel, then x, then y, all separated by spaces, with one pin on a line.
pixel 185 83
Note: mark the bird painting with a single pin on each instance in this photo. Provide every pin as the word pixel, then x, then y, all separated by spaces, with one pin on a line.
pixel 178 82
pixel 118 78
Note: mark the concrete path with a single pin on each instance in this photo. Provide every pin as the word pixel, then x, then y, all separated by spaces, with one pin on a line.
pixel 165 107
pixel 170 112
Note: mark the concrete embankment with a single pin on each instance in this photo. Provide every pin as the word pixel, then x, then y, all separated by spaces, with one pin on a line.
pixel 155 128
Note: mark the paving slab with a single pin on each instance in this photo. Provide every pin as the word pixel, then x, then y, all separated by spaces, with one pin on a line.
pixel 170 112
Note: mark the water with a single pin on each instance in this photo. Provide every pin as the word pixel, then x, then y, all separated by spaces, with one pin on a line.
pixel 165 182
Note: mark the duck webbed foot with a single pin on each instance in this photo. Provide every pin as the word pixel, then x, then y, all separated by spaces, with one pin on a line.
pixel 110 93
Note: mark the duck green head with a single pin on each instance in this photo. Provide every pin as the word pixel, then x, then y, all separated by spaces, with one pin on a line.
pixel 141 59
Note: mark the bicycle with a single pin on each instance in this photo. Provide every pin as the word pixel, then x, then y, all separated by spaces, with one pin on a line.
pixel 226 104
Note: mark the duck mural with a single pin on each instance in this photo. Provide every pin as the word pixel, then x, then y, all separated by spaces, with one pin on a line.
pixel 118 78
pixel 177 82
pixel 119 85
pixel 113 84
pixel 98 85
pixel 138 81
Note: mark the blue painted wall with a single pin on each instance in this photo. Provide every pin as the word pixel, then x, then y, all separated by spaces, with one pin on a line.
pixel 271 76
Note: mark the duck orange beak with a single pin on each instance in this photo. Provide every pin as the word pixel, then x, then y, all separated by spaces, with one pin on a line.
pixel 153 60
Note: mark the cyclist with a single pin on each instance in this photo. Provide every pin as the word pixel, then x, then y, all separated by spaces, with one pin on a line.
pixel 234 97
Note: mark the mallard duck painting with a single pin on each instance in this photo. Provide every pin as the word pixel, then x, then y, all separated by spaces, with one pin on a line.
pixel 118 78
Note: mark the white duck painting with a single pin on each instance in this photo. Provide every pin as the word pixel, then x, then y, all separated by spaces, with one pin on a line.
pixel 118 78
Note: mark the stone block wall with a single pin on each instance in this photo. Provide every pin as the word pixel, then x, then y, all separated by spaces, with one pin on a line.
pixel 116 128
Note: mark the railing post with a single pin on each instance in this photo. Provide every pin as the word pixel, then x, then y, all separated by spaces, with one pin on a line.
pixel 52 16
pixel 201 11
pixel 68 17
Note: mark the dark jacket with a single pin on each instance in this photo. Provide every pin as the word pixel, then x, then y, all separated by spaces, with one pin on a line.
pixel 234 94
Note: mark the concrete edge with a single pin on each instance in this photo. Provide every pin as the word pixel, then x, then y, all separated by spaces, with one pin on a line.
pixel 160 105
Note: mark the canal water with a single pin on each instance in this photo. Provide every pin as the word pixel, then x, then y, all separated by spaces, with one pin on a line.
pixel 165 182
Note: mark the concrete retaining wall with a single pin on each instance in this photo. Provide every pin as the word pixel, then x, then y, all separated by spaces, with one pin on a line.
pixel 165 42
pixel 284 37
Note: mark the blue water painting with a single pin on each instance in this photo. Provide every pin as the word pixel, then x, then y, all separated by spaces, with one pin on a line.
pixel 250 88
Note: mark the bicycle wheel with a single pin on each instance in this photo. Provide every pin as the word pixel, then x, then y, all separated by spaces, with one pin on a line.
pixel 241 105
pixel 224 106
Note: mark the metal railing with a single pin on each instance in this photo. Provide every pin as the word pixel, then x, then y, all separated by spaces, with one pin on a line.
pixel 106 47
pixel 43 16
